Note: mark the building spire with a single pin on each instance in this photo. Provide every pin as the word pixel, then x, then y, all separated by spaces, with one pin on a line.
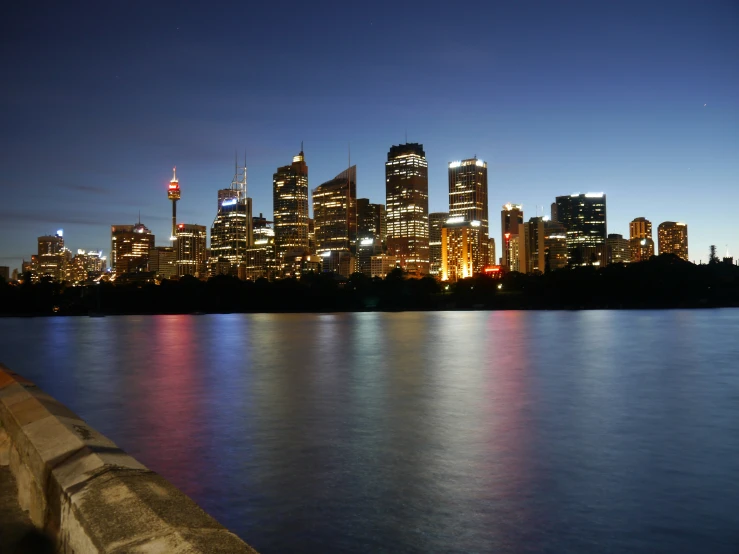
pixel 174 174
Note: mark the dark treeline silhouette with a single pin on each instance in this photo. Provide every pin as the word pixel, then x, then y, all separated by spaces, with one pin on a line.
pixel 662 282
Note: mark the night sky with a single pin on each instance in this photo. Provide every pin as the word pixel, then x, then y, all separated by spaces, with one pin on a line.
pixel 639 100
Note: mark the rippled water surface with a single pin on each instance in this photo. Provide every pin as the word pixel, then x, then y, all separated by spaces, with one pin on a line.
pixel 578 432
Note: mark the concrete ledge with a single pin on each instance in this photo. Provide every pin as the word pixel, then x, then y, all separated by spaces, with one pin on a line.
pixel 86 492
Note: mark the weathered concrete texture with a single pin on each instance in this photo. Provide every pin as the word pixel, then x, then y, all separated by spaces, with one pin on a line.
pixel 14 522
pixel 87 493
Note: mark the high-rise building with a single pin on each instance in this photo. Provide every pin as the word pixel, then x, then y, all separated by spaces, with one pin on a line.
pixel 290 204
pixel 493 260
pixel 533 251
pixel 335 213
pixel 511 218
pixel 163 261
pixel 555 246
pixel 382 264
pixel 468 198
pixel 584 217
pixel 311 234
pixel 640 239
pixel 553 212
pixel 173 193
pixel 4 273
pixel 370 220
pixel 460 242
pixel 407 207
pixel 191 249
pixel 673 238
pixel 619 249
pixel 129 248
pixel 261 261
pixel 86 265
pixel 52 257
pixel 231 233
pixel 436 222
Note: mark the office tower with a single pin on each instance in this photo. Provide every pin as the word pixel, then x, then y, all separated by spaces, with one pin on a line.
pixel 555 246
pixel 511 218
pixel 86 265
pixel 533 251
pixel 370 220
pixel 173 193
pixel 673 239
pixel 261 261
pixel 407 207
pixel 163 261
pixel 52 259
pixel 553 212
pixel 460 242
pixel 231 233
pixel 640 239
pixel 129 248
pixel 436 222
pixel 290 205
pixel 335 213
pixel 619 249
pixel 492 252
pixel 468 198
pixel 191 249
pixel 4 273
pixel 584 217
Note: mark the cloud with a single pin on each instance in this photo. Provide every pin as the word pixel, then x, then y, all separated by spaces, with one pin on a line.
pixel 85 188
pixel 60 219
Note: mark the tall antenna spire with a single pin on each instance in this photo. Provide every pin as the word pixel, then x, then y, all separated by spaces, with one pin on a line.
pixel 301 146
pixel 174 174
pixel 406 136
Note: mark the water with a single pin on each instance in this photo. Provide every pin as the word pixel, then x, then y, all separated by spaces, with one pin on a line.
pixel 577 432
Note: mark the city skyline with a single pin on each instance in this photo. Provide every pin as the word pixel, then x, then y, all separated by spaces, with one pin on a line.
pixel 606 100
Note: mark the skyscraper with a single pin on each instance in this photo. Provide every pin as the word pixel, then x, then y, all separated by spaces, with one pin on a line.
pixel 370 220
pixel 261 261
pixel 619 249
pixel 163 261
pixel 673 239
pixel 290 204
pixel 191 253
pixel 640 239
pixel 173 193
pixel 335 213
pixel 511 218
pixel 532 254
pixel 52 257
pixel 436 222
pixel 555 246
pixel 407 207
pixel 231 233
pixel 468 198
pixel 460 242
pixel 584 218
pixel 129 248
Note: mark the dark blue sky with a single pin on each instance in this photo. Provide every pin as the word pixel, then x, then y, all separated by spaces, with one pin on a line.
pixel 639 100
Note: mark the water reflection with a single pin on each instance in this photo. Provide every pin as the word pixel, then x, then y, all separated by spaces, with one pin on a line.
pixel 415 432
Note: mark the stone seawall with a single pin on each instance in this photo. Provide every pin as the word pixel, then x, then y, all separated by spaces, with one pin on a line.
pixel 88 494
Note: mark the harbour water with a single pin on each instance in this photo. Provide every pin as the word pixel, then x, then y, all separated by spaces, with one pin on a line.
pixel 578 432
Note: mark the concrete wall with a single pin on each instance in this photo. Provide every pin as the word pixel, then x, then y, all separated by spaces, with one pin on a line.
pixel 86 492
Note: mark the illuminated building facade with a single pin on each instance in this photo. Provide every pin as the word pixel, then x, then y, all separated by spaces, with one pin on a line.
pixel 191 249
pixel 468 198
pixel 673 239
pixel 640 239
pixel 436 222
pixel 511 218
pixel 407 207
pixel 261 260
pixel 555 246
pixel 460 243
pixel 163 261
pixel 619 249
pixel 173 193
pixel 87 265
pixel 382 264
pixel 335 213
pixel 53 258
pixel 290 205
pixel 533 252
pixel 129 248
pixel 231 233
pixel 584 217
pixel 371 222
pixel 492 252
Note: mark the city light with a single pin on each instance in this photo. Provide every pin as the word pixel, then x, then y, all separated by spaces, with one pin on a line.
pixel 229 202
pixel 60 233
pixel 453 165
